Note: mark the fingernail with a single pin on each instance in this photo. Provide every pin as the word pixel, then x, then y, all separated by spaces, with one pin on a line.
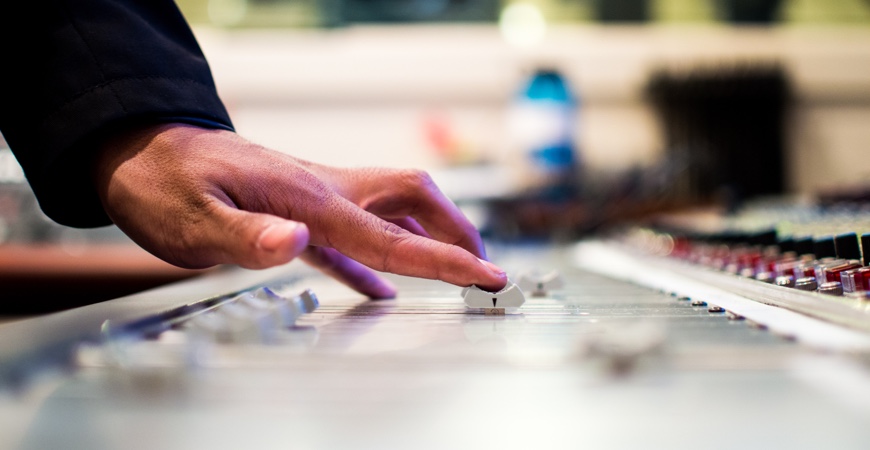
pixel 492 267
pixel 275 235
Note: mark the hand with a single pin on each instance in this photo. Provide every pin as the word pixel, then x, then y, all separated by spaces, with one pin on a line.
pixel 196 197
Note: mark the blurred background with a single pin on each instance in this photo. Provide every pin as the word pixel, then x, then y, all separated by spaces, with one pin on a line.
pixel 541 118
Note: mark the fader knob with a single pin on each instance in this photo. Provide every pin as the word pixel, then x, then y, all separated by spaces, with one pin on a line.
pixel 309 301
pixel 540 283
pixel 509 297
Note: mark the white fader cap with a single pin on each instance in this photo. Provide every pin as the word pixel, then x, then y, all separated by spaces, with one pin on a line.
pixel 541 283
pixel 509 297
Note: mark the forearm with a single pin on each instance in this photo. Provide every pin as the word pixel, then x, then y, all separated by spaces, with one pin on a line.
pixel 75 72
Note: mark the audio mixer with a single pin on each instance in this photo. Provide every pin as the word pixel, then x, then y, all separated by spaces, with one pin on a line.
pixel 676 335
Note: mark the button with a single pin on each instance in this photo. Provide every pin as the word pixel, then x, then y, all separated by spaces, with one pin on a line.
pixel 540 284
pixel 824 247
pixel 509 297
pixel 847 246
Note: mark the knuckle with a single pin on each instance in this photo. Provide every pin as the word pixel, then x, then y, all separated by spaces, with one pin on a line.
pixel 417 179
pixel 395 237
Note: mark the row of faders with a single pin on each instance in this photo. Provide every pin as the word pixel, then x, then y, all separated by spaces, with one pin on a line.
pixel 831 265
pixel 188 337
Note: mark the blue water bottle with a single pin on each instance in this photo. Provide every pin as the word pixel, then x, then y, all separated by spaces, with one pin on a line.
pixel 543 121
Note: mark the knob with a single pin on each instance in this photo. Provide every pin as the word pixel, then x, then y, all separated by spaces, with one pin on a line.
pixel 831 288
pixel 806 284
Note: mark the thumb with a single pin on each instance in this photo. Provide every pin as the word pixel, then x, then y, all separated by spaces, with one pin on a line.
pixel 257 241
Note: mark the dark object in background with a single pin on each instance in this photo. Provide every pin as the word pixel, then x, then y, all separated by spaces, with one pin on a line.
pixel 749 11
pixel 621 10
pixel 396 11
pixel 726 127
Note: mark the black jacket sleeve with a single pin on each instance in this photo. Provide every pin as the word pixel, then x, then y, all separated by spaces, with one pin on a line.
pixel 72 71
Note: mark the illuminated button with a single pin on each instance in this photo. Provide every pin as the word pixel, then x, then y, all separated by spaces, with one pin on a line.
pixel 862 279
pixel 853 280
pixel 786 267
pixel 823 264
pixel 832 272
pixel 847 279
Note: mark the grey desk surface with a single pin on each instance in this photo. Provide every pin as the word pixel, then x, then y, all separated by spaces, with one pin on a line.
pixel 599 364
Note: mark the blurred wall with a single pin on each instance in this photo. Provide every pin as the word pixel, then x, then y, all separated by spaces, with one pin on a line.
pixel 368 95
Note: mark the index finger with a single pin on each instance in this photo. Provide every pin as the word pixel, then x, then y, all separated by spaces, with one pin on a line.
pixel 426 204
pixel 387 247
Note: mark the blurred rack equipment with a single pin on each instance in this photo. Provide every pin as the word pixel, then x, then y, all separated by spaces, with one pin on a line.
pixel 726 126
pixel 387 11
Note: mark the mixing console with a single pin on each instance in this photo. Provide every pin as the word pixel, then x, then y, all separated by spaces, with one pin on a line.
pixel 613 346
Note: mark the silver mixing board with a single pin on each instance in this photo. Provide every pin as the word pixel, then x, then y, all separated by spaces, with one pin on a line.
pixel 627 354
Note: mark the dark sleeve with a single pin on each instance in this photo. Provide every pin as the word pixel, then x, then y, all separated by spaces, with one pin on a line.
pixel 75 70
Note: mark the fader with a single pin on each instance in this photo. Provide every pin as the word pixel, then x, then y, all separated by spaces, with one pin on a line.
pixel 494 303
pixel 540 283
